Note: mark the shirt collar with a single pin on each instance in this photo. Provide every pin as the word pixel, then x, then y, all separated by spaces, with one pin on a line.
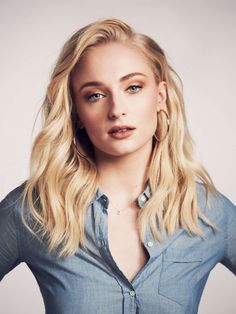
pixel 141 200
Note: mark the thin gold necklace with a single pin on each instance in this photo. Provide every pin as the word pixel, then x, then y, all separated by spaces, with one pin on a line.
pixel 118 210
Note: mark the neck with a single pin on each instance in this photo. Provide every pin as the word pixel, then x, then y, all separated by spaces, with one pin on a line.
pixel 123 178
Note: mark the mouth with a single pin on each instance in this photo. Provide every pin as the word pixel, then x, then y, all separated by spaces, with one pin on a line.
pixel 120 129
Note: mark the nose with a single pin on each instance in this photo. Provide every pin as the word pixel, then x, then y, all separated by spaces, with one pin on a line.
pixel 117 108
pixel 115 116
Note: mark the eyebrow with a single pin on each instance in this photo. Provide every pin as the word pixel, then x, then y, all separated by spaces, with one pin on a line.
pixel 122 79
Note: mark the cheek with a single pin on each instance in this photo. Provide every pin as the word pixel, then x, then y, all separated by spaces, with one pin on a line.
pixel 92 126
pixel 88 119
pixel 148 110
pixel 148 117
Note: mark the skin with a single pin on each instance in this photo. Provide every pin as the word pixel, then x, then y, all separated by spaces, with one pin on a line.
pixel 121 163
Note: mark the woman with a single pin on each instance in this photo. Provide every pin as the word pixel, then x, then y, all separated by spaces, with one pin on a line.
pixel 116 216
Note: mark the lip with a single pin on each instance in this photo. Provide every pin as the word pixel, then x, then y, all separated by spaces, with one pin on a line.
pixel 123 134
pixel 118 128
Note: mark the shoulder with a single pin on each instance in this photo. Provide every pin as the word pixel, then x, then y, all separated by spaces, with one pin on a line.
pixel 215 206
pixel 10 227
pixel 10 207
pixel 13 198
pixel 17 223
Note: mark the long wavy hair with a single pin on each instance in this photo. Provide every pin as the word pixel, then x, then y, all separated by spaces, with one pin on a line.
pixel 63 175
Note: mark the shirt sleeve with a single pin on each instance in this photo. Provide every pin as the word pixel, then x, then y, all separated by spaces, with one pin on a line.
pixel 229 259
pixel 9 245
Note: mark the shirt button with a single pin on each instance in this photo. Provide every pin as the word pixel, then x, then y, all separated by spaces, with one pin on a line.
pixel 143 198
pixel 132 293
pixel 104 198
pixel 150 244
pixel 103 242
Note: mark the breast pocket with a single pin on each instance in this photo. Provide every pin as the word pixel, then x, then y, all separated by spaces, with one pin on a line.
pixel 180 274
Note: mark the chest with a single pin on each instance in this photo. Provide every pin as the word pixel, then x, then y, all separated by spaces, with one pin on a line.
pixel 125 245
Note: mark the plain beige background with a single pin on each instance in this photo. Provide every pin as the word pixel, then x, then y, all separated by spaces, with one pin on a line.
pixel 199 38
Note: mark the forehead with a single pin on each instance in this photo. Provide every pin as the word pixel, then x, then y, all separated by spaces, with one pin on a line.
pixel 112 59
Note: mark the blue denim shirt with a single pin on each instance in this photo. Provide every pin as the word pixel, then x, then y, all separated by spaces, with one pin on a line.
pixel 172 281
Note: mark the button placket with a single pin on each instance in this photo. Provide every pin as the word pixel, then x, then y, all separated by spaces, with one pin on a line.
pixel 103 242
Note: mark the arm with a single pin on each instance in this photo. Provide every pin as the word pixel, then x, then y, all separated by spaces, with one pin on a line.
pixel 9 245
pixel 229 259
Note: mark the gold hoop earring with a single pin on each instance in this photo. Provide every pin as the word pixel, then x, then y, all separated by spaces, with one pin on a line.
pixel 76 147
pixel 168 126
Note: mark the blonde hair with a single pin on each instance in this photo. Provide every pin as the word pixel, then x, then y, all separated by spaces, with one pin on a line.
pixel 62 181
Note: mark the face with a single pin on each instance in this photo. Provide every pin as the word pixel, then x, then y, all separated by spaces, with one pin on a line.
pixel 117 99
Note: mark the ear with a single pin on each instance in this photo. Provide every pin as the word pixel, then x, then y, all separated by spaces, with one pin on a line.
pixel 161 96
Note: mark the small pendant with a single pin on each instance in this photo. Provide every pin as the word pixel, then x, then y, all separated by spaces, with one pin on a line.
pixel 118 212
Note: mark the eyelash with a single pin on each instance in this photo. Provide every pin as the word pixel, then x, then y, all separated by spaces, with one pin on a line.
pixel 89 97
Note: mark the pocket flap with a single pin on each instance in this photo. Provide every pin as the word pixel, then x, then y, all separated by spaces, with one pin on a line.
pixel 182 256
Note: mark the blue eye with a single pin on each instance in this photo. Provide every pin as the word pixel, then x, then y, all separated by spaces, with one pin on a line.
pixel 94 97
pixel 134 88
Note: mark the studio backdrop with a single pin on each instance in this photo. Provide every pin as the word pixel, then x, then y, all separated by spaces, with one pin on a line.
pixel 199 38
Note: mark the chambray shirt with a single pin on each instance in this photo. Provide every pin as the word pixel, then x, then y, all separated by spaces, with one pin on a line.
pixel 172 281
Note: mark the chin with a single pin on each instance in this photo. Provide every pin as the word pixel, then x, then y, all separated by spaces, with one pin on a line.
pixel 120 152
pixel 123 149
pixel 115 152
